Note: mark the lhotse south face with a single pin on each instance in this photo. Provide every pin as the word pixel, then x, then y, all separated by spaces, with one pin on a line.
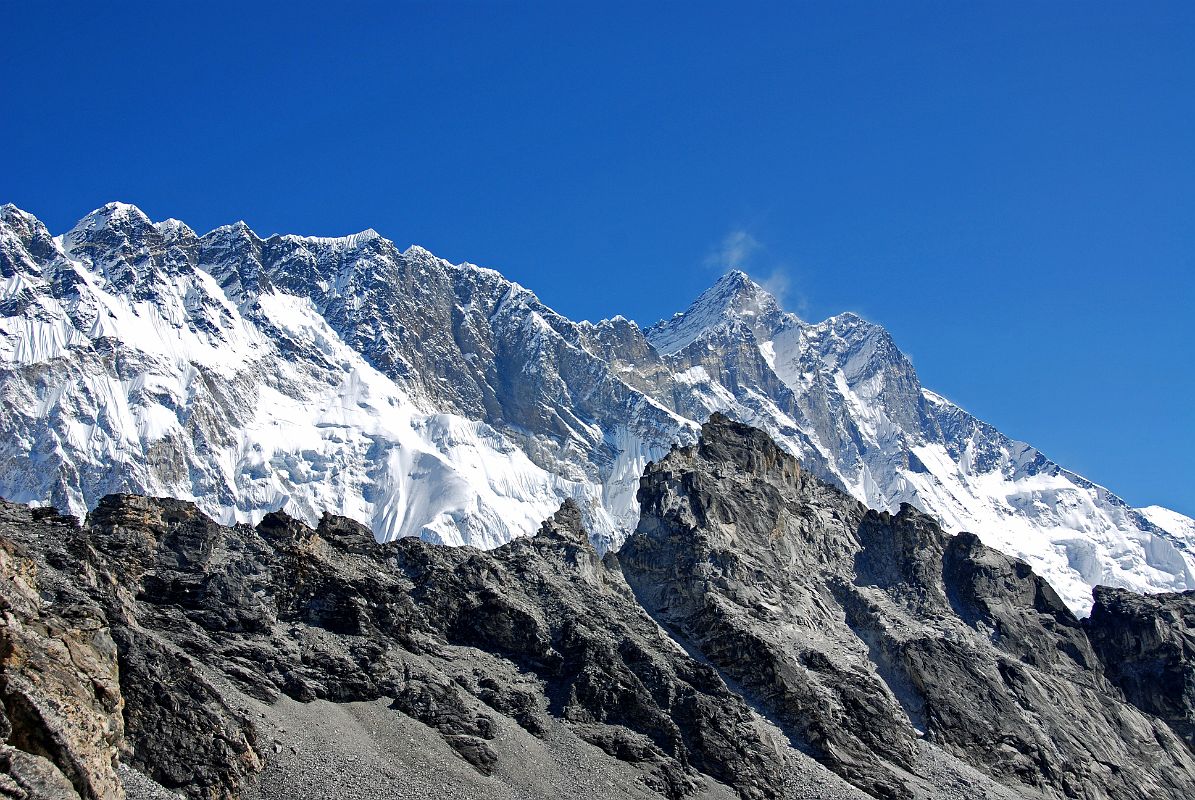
pixel 423 398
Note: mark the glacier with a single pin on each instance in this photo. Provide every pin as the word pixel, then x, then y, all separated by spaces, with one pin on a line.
pixel 424 398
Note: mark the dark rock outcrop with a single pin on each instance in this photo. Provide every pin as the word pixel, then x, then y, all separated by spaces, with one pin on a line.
pixel 863 632
pixel 909 662
pixel 1147 644
pixel 461 640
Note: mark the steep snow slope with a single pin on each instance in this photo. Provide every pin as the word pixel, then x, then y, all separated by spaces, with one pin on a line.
pixel 463 339
pixel 1180 526
pixel 441 400
pixel 126 368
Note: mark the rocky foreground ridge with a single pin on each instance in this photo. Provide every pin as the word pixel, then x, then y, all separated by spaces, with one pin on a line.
pixel 760 635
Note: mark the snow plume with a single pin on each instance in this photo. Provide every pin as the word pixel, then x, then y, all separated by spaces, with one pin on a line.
pixel 733 252
pixel 780 285
pixel 738 249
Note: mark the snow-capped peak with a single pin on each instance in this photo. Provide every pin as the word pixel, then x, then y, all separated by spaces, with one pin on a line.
pixel 1174 523
pixel 227 234
pixel 115 231
pixel 9 213
pixel 733 298
pixel 174 229
pixel 734 294
pixel 109 215
pixel 422 253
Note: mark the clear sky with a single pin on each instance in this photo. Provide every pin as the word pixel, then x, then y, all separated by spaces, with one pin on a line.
pixel 1010 189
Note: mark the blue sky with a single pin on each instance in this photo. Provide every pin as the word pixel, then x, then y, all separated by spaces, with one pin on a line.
pixel 1010 189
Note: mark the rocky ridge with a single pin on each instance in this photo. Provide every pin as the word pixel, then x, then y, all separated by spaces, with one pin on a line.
pixel 205 618
pixel 1147 643
pixel 863 632
pixel 761 635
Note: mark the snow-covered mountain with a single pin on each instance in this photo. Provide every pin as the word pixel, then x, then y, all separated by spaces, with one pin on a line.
pixel 128 367
pixel 440 400
pixel 851 406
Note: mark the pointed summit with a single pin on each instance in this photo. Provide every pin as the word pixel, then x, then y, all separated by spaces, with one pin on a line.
pixel 236 231
pixel 113 214
pixel 734 298
pixel 24 242
pixel 9 214
pixel 175 230
pixel 108 227
pixel 736 277
pixel 135 256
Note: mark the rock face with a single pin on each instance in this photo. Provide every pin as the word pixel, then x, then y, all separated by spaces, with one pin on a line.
pixel 423 398
pixel 537 633
pixel 841 396
pixel 60 699
pixel 761 635
pixel 863 632
pixel 343 375
pixel 1148 645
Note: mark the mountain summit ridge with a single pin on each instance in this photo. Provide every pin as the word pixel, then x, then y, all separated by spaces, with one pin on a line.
pixel 425 398
pixel 733 298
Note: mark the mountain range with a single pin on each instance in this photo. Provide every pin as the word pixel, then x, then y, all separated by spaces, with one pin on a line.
pixel 423 398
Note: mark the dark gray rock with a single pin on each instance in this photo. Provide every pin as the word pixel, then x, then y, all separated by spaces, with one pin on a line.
pixel 155 639
pixel 1147 646
pixel 862 632
pixel 463 641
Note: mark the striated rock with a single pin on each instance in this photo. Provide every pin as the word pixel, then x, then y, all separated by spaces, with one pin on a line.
pixel 24 776
pixel 862 632
pixel 1147 646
